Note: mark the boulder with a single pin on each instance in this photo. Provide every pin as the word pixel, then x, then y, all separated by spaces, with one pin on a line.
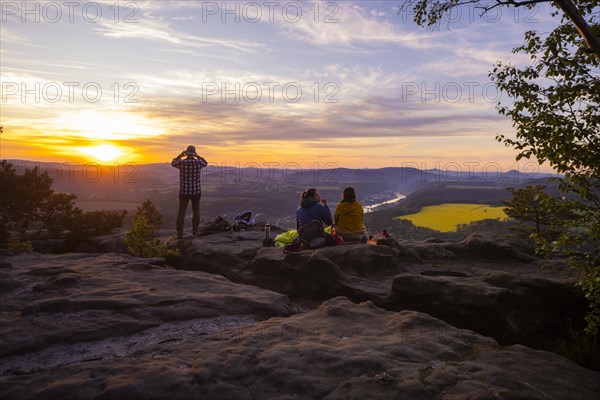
pixel 360 272
pixel 530 310
pixel 111 243
pixel 477 247
pixel 473 248
pixel 224 253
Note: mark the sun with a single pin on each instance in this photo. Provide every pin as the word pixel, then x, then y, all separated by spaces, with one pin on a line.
pixel 104 152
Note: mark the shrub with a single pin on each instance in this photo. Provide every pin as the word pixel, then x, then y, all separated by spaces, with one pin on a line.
pixel 141 239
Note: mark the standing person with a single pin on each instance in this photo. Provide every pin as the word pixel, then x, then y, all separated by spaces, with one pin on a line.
pixel 348 218
pixel 312 206
pixel 189 186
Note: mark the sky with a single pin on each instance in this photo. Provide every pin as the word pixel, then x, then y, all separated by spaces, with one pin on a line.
pixel 318 84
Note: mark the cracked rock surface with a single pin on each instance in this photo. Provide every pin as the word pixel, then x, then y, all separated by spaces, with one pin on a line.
pixel 404 320
pixel 340 350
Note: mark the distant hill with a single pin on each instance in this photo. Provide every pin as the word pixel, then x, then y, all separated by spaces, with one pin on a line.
pixel 272 193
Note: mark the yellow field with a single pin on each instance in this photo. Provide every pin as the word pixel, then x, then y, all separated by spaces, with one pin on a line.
pixel 445 217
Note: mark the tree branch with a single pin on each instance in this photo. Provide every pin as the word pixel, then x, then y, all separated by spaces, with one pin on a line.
pixel 582 26
pixel 430 11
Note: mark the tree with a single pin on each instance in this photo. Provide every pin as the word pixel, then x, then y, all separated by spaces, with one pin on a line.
pixel 532 204
pixel 554 108
pixel 582 17
pixel 554 105
pixel 57 212
pixel 149 210
pixel 84 225
pixel 141 239
pixel 29 198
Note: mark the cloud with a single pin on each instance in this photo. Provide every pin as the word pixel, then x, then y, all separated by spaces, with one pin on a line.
pixel 329 84
pixel 374 117
pixel 156 30
pixel 9 35
pixel 345 25
pixel 346 134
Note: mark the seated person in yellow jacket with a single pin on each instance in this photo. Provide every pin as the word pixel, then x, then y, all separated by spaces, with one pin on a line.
pixel 348 217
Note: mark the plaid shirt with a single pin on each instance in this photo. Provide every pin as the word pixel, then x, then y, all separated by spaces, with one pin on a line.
pixel 189 174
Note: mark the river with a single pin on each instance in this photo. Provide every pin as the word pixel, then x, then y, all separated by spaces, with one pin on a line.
pixel 372 207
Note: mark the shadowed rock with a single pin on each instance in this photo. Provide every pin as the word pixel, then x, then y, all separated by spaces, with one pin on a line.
pixel 491 287
pixel 340 350
pixel 511 308
pixel 112 243
pixel 44 303
pixel 473 248
pixel 360 272
pixel 107 326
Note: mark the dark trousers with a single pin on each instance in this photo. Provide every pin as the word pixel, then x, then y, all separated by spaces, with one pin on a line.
pixel 183 202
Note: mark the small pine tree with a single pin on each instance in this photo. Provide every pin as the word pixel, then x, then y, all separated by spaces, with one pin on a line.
pixel 550 216
pixel 531 205
pixel 149 210
pixel 141 240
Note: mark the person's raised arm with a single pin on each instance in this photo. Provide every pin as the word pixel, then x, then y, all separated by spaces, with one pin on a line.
pixel 203 162
pixel 326 214
pixel 177 160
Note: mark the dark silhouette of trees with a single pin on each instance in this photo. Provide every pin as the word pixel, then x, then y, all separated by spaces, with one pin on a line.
pixel 29 199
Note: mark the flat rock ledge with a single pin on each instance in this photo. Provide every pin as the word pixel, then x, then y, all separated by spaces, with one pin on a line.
pixel 339 350
pixel 48 300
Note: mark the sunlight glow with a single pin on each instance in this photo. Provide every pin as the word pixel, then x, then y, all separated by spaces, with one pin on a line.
pixel 104 152
pixel 107 125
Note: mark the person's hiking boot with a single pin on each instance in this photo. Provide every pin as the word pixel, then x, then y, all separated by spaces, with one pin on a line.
pixel 179 235
pixel 195 232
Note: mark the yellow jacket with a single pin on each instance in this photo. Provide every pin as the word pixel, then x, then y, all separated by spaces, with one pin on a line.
pixel 348 217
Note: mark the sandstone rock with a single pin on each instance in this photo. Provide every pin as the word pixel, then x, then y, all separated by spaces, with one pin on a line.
pixel 7 283
pixel 480 284
pixel 511 308
pixel 474 247
pixel 340 350
pixel 478 247
pixel 112 243
pixel 43 302
pixel 224 253
pixel 358 271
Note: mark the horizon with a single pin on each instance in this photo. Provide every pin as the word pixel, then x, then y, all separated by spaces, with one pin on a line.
pixel 355 84
pixel 466 168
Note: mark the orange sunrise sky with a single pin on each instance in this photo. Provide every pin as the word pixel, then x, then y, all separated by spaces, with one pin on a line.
pixel 350 83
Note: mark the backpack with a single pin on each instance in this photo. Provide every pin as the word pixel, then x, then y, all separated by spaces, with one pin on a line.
pixel 243 221
pixel 312 235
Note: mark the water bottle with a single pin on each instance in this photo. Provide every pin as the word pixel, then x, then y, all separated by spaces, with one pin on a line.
pixel 267 241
